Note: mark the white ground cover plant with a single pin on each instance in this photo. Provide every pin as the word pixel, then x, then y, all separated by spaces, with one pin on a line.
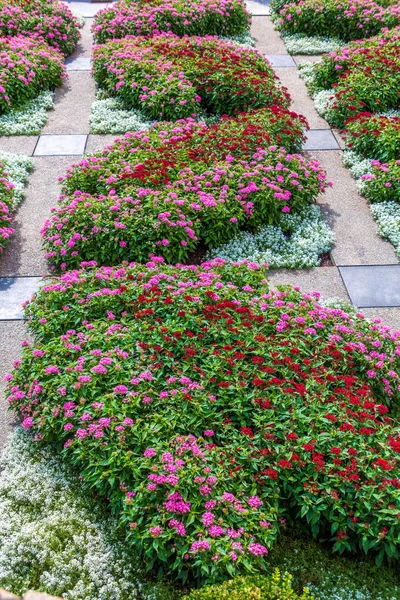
pixel 56 537
pixel 109 116
pixel 300 44
pixel 310 237
pixel 30 119
pixel 18 167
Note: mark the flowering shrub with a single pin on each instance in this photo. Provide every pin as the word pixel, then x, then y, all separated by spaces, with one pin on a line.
pixel 48 20
pixel 382 183
pixel 344 19
pixel 250 588
pixel 13 174
pixel 193 17
pixel 26 68
pixel 171 78
pixel 374 136
pixel 363 76
pixel 194 399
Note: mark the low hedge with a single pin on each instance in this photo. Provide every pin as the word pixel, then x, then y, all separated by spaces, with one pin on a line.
pixel 193 17
pixel 209 410
pixel 169 78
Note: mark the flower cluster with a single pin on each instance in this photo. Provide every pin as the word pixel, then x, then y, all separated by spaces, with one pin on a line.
pixel 194 399
pixel 193 17
pixel 13 174
pixel 171 78
pixel 374 136
pixel 48 20
pixel 27 67
pixel 345 19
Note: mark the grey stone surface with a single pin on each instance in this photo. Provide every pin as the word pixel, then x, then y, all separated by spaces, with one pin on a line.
pixel 81 63
pixel 281 60
pixel 24 255
pixel 372 286
pixel 13 292
pixel 98 142
pixel 325 280
pixel 18 144
pixel 60 145
pixel 357 241
pixel 320 139
pixel 258 8
pixel 12 333
pixel 72 105
pixel 86 9
pixel 267 39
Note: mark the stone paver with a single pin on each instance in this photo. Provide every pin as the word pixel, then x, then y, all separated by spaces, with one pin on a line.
pixel 81 63
pixel 371 286
pixel 60 145
pixel 13 292
pixel 320 139
pixel 281 60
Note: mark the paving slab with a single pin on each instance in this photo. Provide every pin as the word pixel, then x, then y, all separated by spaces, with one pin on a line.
pixel 24 255
pixel 86 9
pixel 12 333
pixel 60 145
pixel 259 8
pixel 267 39
pixel 372 286
pixel 80 63
pixel 389 316
pixel 348 214
pixel 326 280
pixel 18 144
pixel 281 60
pixel 301 101
pixel 72 105
pixel 100 141
pixel 320 139
pixel 13 292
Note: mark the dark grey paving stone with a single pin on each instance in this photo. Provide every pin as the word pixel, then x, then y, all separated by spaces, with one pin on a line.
pixel 60 145
pixel 320 139
pixel 87 9
pixel 258 9
pixel 80 63
pixel 13 292
pixel 373 286
pixel 281 60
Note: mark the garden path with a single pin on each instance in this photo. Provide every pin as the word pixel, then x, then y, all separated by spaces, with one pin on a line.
pixel 66 136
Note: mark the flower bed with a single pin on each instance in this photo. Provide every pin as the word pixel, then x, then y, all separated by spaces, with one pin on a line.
pixel 49 20
pixel 344 19
pixel 374 136
pixel 174 188
pixel 27 68
pixel 194 399
pixel 170 78
pixel 193 17
pixel 13 175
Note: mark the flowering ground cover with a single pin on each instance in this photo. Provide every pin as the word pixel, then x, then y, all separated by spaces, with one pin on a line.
pixel 170 78
pixel 180 186
pixel 194 17
pixel 195 400
pixel 48 20
pixel 14 172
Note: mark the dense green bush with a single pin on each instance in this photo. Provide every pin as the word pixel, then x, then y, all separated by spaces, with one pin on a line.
pixel 374 136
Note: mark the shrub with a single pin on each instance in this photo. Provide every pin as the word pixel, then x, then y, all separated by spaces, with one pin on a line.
pixel 171 78
pixel 49 20
pixel 27 68
pixel 345 19
pixel 374 136
pixel 383 182
pixel 196 401
pixel 193 17
pixel 364 77
pixel 251 588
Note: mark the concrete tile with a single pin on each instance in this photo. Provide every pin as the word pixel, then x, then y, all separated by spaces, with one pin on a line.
pixel 325 280
pixel 24 255
pixel 12 333
pixel 389 316
pixel 281 60
pixel 60 145
pixel 13 292
pixel 258 8
pixel 372 286
pixel 320 139
pixel 267 39
pixel 99 142
pixel 81 63
pixel 301 101
pixel 348 214
pixel 72 105
pixel 18 144
pixel 86 9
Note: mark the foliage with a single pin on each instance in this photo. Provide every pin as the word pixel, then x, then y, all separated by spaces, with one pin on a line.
pixel 345 19
pixel 13 174
pixel 193 17
pixel 382 183
pixel 27 68
pixel 302 44
pixel 251 588
pixel 29 118
pixel 170 78
pixel 196 401
pixel 374 136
